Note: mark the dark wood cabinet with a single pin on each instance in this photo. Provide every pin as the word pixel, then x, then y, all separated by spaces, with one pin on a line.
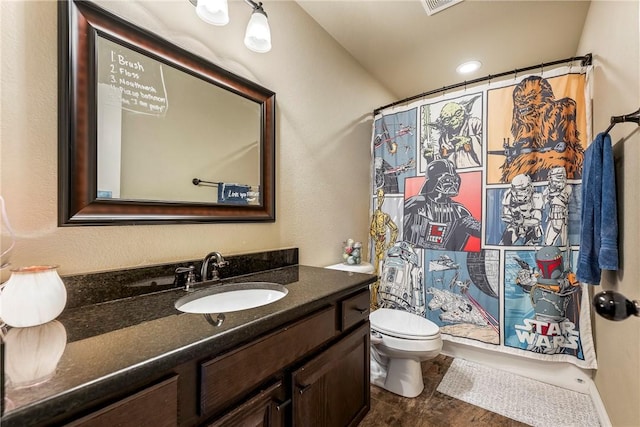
pixel 332 389
pixel 310 372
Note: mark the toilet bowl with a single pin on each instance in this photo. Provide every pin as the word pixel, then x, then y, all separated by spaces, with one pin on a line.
pixel 400 342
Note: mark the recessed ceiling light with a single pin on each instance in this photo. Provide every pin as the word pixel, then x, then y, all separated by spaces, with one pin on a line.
pixel 468 67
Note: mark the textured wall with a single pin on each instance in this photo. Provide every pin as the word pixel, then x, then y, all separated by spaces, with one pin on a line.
pixel 324 101
pixel 611 32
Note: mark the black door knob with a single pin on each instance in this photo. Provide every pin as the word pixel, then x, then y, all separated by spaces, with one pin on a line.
pixel 614 306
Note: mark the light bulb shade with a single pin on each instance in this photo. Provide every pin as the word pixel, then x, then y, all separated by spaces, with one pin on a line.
pixel 215 12
pixel 258 35
pixel 32 296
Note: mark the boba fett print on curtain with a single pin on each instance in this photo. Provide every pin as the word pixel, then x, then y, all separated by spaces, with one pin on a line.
pixel 475 214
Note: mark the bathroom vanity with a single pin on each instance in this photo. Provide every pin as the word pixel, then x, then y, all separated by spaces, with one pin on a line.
pixel 302 360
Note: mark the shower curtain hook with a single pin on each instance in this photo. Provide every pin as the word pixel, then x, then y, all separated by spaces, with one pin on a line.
pixel 583 66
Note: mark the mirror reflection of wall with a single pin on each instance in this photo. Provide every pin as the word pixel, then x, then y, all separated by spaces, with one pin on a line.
pixel 159 128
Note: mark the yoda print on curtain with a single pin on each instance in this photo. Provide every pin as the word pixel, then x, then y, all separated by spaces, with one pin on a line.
pixel 475 214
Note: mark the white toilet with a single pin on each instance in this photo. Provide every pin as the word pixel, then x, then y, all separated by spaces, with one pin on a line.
pixel 400 342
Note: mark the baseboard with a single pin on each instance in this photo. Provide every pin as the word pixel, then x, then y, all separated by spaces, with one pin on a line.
pixel 560 374
pixel 599 405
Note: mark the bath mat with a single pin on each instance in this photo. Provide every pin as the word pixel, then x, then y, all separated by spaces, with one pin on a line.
pixel 519 398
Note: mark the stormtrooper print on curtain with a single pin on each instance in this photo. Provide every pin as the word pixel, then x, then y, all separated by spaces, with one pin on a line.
pixel 475 214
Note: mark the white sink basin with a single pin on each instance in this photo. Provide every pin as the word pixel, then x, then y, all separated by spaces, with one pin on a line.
pixel 231 297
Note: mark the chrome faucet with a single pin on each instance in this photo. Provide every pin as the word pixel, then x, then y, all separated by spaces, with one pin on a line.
pixel 218 263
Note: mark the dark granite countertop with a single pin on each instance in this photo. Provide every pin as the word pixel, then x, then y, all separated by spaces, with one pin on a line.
pixel 118 342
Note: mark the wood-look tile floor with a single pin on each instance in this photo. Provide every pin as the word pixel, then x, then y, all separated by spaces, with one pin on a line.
pixel 431 408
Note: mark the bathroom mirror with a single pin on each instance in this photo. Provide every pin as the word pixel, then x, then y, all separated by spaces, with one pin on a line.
pixel 150 133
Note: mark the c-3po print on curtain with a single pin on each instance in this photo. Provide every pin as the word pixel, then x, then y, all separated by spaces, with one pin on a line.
pixel 475 214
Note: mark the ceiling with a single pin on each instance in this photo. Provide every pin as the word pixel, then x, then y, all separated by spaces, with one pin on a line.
pixel 410 52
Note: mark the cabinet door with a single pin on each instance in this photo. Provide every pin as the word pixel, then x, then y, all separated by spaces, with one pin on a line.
pixel 332 390
pixel 266 409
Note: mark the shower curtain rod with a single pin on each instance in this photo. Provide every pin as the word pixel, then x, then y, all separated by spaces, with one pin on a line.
pixel 585 60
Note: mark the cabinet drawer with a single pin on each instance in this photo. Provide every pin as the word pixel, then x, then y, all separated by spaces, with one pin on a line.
pixel 155 406
pixel 229 377
pixel 355 309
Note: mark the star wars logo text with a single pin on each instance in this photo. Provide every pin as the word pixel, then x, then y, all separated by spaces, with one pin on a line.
pixel 548 334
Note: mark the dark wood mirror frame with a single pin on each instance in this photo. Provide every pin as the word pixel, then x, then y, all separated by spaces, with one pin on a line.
pixel 79 25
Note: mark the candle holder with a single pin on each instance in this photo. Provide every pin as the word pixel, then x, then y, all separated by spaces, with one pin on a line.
pixel 352 253
pixel 32 354
pixel 32 296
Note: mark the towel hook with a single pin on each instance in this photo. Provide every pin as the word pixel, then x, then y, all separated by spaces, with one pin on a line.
pixel 198 181
pixel 632 117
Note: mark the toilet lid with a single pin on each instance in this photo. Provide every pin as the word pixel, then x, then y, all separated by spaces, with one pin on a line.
pixel 402 324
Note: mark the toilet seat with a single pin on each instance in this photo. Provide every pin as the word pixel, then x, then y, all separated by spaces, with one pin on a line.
pixel 402 324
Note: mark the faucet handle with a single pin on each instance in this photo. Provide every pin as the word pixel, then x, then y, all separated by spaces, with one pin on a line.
pixel 191 276
pixel 216 265
pixel 190 269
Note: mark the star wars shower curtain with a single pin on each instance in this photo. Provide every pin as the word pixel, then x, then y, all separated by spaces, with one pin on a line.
pixel 475 214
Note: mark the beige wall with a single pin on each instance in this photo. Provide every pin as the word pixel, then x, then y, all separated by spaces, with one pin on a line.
pixel 611 32
pixel 324 101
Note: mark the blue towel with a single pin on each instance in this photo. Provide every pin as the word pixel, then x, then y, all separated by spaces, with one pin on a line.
pixel 599 228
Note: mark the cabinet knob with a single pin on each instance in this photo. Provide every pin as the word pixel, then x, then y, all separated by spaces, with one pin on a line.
pixel 280 406
pixel 362 310
pixel 303 388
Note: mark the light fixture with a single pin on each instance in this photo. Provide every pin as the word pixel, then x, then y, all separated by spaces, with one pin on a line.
pixel 258 34
pixel 215 12
pixel 468 67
